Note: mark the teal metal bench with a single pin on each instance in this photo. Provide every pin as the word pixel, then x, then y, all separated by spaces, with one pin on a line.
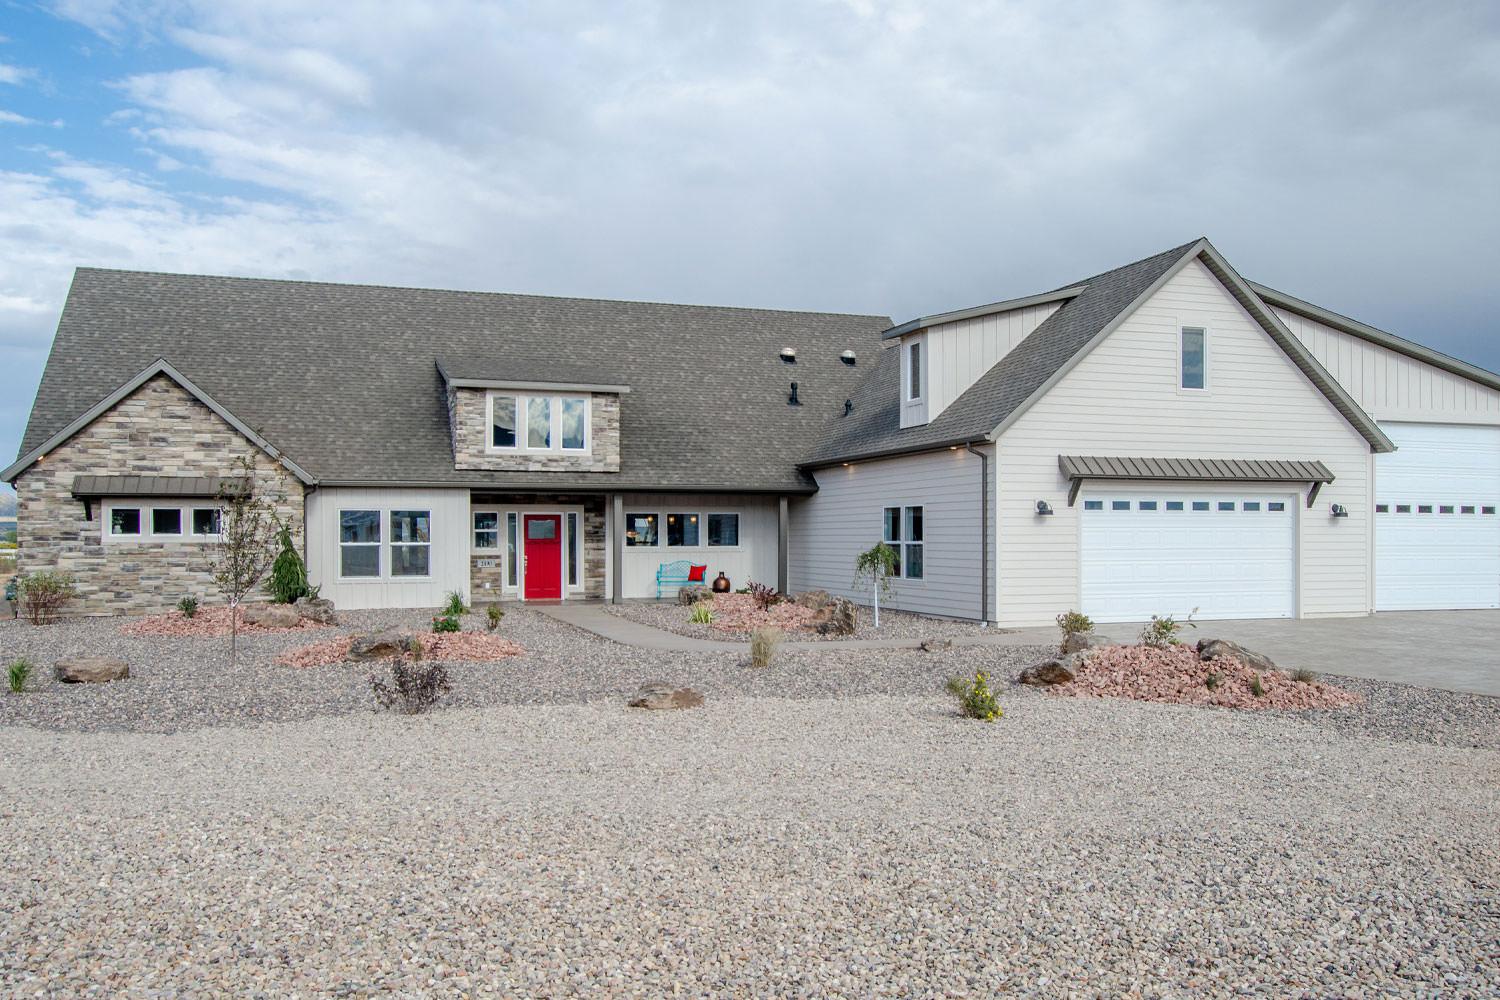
pixel 671 576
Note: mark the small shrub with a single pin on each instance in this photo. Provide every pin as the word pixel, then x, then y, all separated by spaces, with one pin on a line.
pixel 17 674
pixel 763 643
pixel 492 617
pixel 453 605
pixel 188 606
pixel 288 580
pixel 445 623
pixel 702 614
pixel 1256 687
pixel 764 596
pixel 44 594
pixel 1074 623
pixel 413 687
pixel 1213 680
pixel 1162 631
pixel 975 699
pixel 1304 676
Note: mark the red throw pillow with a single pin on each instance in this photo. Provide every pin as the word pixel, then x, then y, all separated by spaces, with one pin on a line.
pixel 695 573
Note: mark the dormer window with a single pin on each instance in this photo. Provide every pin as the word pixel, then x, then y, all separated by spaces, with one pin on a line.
pixel 535 423
pixel 914 370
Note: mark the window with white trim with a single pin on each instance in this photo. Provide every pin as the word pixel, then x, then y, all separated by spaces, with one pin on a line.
pixel 524 422
pixel 902 529
pixel 504 422
pixel 682 530
pixel 145 521
pixel 723 530
pixel 486 529
pixel 125 521
pixel 640 529
pixel 411 542
pixel 207 521
pixel 914 370
pixel 1192 368
pixel 573 423
pixel 511 575
pixel 166 520
pixel 359 544
pixel 575 548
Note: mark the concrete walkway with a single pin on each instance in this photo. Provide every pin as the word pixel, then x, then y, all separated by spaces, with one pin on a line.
pixel 1453 650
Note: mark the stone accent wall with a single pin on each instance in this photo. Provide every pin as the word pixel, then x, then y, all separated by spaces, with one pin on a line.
pixel 470 427
pixel 593 541
pixel 160 430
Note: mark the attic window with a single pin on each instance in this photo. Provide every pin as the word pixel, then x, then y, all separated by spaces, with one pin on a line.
pixel 1193 367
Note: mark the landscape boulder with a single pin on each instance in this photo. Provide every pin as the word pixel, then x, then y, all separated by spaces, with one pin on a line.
pixel 838 618
pixel 270 615
pixel 383 645
pixel 936 645
pixel 317 609
pixel 693 593
pixel 664 697
pixel 90 670
pixel 1077 642
pixel 813 600
pixel 1058 670
pixel 1212 649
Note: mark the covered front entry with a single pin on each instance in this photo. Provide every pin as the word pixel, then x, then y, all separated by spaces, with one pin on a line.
pixel 1168 551
pixel 1437 530
pixel 542 561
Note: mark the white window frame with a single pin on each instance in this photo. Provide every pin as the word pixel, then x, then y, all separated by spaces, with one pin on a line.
pixel 378 545
pixel 661 537
pixel 193 532
pixel 914 384
pixel 147 508
pixel 508 517
pixel 739 531
pixel 389 566
pixel 900 542
pixel 474 530
pixel 554 418
pixel 1182 331
pixel 702 529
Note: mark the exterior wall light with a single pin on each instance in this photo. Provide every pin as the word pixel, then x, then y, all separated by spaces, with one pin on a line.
pixel 1043 509
pixel 1338 510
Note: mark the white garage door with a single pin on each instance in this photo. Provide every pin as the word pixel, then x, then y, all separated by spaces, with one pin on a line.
pixel 1168 552
pixel 1437 535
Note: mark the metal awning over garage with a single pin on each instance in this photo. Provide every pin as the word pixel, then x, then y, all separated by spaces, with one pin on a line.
pixel 90 487
pixel 1201 470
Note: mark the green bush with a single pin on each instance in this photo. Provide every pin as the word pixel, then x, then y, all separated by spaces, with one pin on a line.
pixel 702 614
pixel 763 643
pixel 414 686
pixel 288 580
pixel 975 699
pixel 453 604
pixel 44 594
pixel 17 674
pixel 446 623
pixel 1256 687
pixel 1074 623
pixel 1162 630
pixel 188 606
pixel 1304 676
pixel 493 615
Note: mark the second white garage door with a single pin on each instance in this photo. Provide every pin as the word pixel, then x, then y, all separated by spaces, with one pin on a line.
pixel 1167 552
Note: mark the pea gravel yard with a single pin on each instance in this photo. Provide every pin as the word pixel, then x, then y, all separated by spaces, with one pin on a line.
pixel 826 827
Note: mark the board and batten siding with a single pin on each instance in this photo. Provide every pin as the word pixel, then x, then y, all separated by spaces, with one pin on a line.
pixel 1390 385
pixel 961 351
pixel 753 559
pixel 1123 399
pixel 449 556
pixel 844 518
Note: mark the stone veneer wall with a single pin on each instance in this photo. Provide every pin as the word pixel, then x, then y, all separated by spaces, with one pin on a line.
pixel 593 542
pixel 158 430
pixel 470 428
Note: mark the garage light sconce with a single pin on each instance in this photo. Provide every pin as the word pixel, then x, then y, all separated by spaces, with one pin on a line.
pixel 1338 510
pixel 1043 509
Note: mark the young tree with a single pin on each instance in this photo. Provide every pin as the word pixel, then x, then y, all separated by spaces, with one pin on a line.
pixel 246 546
pixel 874 568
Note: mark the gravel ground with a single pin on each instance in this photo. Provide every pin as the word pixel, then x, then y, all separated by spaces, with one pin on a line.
pixel 893 624
pixel 869 846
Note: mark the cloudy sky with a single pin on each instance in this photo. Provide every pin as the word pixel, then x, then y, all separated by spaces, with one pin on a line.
pixel 898 158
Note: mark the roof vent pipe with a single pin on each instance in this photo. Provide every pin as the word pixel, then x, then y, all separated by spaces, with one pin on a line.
pixel 847 358
pixel 789 355
pixel 848 407
pixel 792 400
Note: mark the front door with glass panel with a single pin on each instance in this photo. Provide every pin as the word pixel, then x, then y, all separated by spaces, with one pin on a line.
pixel 541 567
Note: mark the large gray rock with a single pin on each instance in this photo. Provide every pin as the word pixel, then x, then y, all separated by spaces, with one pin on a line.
pixel 1058 670
pixel 90 670
pixel 813 600
pixel 693 593
pixel 838 618
pixel 317 609
pixel 1078 642
pixel 270 616
pixel 1212 649
pixel 664 697
pixel 936 645
pixel 384 645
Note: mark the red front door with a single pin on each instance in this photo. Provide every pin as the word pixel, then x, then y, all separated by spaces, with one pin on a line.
pixel 542 569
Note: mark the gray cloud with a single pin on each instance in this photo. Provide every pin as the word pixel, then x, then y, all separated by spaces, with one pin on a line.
pixel 900 158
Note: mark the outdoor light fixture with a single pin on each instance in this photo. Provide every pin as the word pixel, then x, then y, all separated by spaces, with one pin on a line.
pixel 1043 508
pixel 1338 510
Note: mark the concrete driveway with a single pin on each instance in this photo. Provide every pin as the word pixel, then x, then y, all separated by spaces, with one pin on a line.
pixel 1455 650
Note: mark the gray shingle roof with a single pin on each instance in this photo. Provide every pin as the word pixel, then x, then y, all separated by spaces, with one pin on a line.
pixel 874 428
pixel 342 378
pixel 1233 470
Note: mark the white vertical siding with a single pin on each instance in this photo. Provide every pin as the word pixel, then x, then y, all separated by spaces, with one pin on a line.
pixel 830 528
pixel 1123 399
pixel 450 547
pixel 1390 385
pixel 961 351
pixel 753 559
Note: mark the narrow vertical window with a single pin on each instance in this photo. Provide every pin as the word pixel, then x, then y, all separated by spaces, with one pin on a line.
pixel 539 421
pixel 913 539
pixel 411 542
pixel 1194 367
pixel 503 422
pixel 510 548
pixel 486 529
pixel 573 423
pixel 575 550
pixel 891 534
pixel 914 370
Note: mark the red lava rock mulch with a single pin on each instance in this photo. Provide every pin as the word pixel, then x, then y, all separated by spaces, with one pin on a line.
pixel 212 621
pixel 451 647
pixel 1174 674
pixel 739 613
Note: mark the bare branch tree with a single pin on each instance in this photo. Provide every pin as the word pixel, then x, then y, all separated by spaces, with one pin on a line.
pixel 246 546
